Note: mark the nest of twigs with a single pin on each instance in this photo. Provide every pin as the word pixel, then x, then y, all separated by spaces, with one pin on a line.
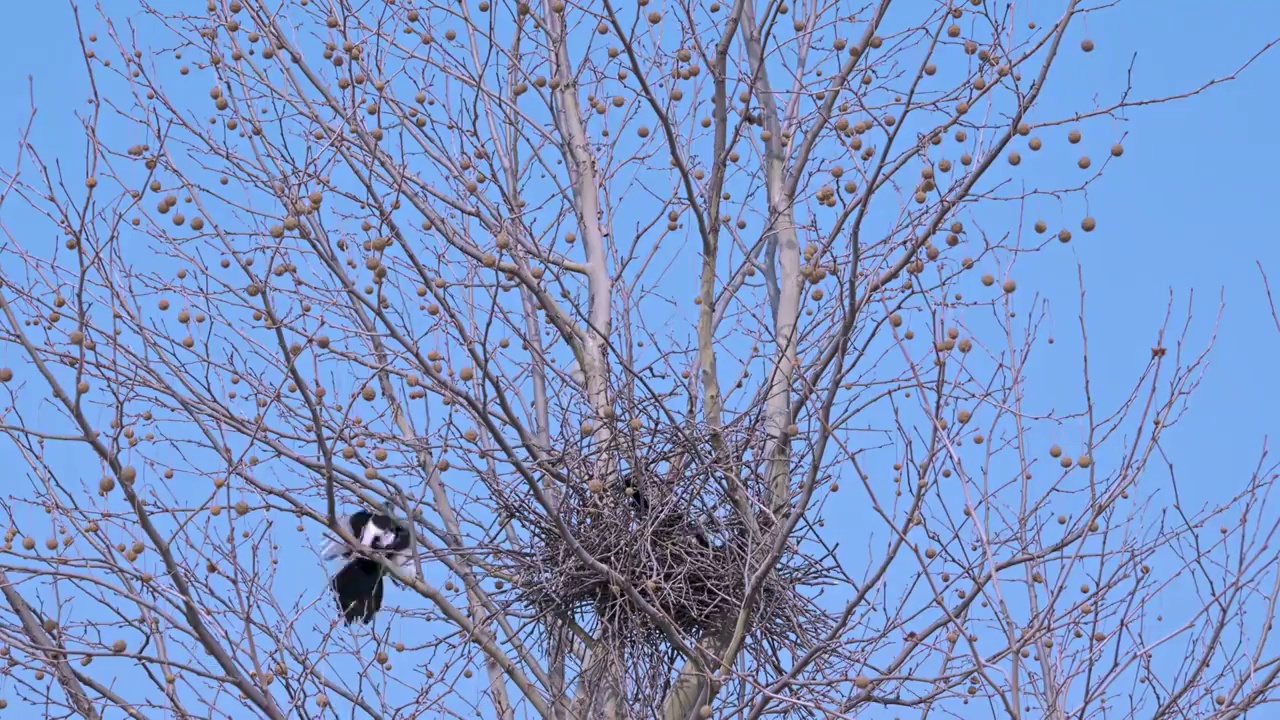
pixel 658 534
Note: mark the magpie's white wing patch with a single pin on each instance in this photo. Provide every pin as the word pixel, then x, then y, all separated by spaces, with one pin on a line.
pixel 366 532
pixel 374 537
pixel 333 550
pixel 404 563
pixel 335 547
pixel 373 532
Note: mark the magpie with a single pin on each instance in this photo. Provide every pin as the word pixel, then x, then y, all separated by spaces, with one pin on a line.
pixel 357 586
pixel 671 520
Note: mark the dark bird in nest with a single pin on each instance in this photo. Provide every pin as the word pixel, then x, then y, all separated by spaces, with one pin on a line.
pixel 673 520
pixel 357 586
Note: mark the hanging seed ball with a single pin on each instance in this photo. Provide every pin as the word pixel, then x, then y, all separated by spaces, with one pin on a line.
pixel 107 484
pixel 1086 45
pixel 862 682
pixel 1014 158
pixel 1084 461
pixel 1035 144
pixel 6 374
pixel 466 373
pixel 128 474
pixel 1064 235
pixel 29 543
pixel 1084 162
pixel 1024 129
pixel 705 710
pixel 118 646
pixel 1055 451
pixel 1065 462
pixel 634 424
pixel 988 280
pixel 1041 226
pixel 643 131
pixel 1073 137
pixel 1088 224
pixel 1117 150
pixel 595 486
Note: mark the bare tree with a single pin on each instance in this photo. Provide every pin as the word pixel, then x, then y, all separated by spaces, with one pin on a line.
pixel 619 307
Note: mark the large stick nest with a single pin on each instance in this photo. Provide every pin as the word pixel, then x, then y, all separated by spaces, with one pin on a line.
pixel 678 513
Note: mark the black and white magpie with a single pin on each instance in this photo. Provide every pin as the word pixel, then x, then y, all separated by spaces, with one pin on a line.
pixel 673 519
pixel 358 584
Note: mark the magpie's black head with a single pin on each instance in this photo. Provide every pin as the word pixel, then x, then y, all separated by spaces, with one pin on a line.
pixel 400 541
pixel 379 531
pixel 358 521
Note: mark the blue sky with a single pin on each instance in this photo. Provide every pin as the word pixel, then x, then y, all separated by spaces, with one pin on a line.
pixel 1186 209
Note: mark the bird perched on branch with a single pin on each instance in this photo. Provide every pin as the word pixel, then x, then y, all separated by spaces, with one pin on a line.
pixel 358 584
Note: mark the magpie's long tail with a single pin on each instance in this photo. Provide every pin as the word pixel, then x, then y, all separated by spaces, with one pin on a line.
pixel 358 586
